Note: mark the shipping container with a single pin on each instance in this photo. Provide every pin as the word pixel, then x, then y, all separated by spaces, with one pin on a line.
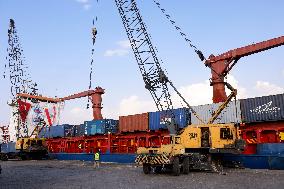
pixel 231 114
pixel 69 130
pixel 101 126
pixel 8 147
pixel 80 130
pixel 131 123
pixel 52 132
pixel 265 108
pixel 111 125
pixel 97 127
pixel 157 120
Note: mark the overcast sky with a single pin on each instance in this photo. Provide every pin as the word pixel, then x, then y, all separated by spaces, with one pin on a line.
pixel 56 39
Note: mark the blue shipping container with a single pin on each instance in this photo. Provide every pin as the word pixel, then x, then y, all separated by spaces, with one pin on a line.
pixel 8 147
pixel 69 130
pixel 101 126
pixel 157 119
pixel 94 127
pixel 111 125
pixel 52 132
pixel 80 130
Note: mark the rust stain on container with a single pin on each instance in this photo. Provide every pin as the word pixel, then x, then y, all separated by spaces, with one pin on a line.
pixel 131 123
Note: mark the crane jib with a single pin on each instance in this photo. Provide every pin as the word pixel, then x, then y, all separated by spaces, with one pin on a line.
pixel 145 53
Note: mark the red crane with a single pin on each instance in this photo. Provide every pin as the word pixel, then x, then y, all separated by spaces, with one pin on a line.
pixel 221 65
pixel 96 99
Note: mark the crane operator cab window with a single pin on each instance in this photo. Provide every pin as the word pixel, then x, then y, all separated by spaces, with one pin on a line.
pixel 226 133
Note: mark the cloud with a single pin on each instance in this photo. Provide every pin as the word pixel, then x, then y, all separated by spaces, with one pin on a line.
pixel 85 3
pixel 265 88
pixel 242 92
pixel 75 115
pixel 122 50
pixel 134 105
pixel 194 94
pixel 116 52
pixel 124 44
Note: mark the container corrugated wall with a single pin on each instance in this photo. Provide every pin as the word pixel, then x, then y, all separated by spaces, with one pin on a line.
pixel 266 108
pixel 157 119
pixel 131 123
pixel 95 127
pixel 101 126
pixel 52 132
pixel 69 130
pixel 111 125
pixel 231 114
pixel 8 147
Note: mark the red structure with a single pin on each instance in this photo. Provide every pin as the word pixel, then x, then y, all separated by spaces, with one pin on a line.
pixel 264 132
pixel 96 98
pixel 221 65
pixel 113 143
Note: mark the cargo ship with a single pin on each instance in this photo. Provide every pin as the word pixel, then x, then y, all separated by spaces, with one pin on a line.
pixel 260 119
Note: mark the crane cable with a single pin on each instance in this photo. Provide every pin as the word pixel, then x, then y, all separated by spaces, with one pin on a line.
pixel 94 34
pixel 183 35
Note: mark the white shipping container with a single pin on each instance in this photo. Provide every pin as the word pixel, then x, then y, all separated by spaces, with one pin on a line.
pixel 231 114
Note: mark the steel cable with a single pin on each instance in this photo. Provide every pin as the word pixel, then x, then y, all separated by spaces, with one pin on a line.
pixel 183 34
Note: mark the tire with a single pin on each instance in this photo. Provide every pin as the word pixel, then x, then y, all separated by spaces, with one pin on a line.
pixel 146 169
pixel 176 168
pixel 185 165
pixel 158 169
pixel 4 157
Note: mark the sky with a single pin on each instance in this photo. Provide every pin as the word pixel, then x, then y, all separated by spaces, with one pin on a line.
pixel 56 39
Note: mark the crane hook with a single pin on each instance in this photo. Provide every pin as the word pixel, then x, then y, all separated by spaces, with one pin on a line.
pixel 94 32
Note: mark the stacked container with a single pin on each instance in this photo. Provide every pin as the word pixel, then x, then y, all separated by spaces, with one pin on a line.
pixel 132 123
pixel 80 130
pixel 266 108
pixel 157 120
pixel 8 147
pixel 69 130
pixel 231 114
pixel 101 126
pixel 52 132
pixel 94 127
pixel 111 125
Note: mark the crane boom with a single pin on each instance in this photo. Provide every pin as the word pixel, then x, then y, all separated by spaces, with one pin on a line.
pixel 248 50
pixel 78 95
pixel 153 75
pixel 222 64
pixel 96 98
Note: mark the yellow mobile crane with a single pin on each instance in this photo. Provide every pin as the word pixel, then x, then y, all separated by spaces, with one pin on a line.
pixel 196 146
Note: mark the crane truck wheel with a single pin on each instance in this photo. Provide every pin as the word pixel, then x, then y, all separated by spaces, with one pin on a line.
pixel 158 169
pixel 146 168
pixel 185 165
pixel 176 168
pixel 4 157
